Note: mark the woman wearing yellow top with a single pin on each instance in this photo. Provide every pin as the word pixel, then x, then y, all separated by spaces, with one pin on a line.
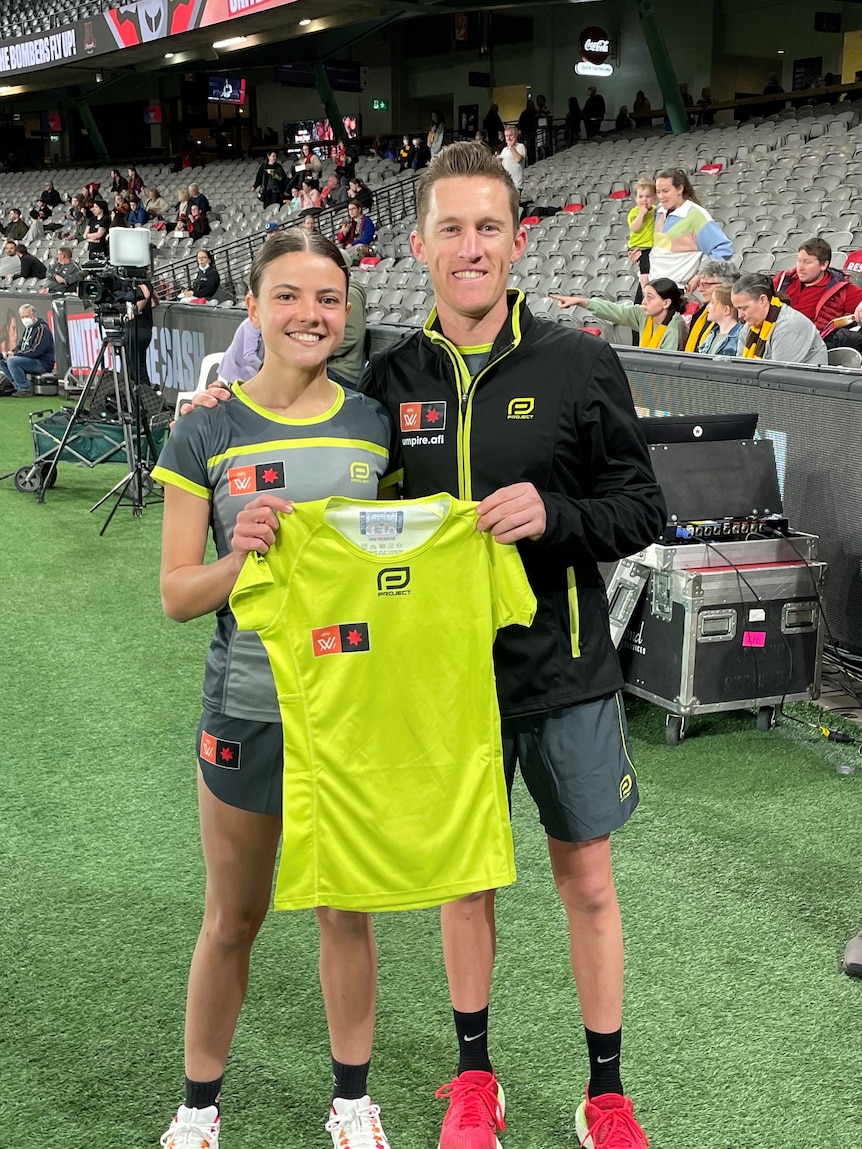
pixel 657 320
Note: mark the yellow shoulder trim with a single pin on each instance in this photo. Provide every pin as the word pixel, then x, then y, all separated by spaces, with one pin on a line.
pixel 163 475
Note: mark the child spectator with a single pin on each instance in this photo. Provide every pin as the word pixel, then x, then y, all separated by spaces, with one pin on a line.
pixel 658 320
pixel 723 339
pixel 642 228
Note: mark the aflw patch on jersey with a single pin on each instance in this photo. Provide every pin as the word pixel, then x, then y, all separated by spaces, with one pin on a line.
pixel 423 416
pixel 347 638
pixel 220 752
pixel 250 480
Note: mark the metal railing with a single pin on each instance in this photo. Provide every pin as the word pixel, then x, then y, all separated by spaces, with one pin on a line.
pixel 392 203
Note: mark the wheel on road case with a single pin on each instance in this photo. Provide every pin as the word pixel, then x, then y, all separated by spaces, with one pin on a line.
pixel 674 729
pixel 766 718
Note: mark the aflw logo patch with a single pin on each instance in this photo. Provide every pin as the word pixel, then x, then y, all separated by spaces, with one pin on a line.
pixel 347 638
pixel 219 752
pixel 249 480
pixel 521 409
pixel 423 416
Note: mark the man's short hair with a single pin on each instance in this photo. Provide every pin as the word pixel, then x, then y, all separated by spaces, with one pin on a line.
pixel 721 269
pixel 22 250
pixel 463 159
pixel 65 251
pixel 819 248
pixel 754 284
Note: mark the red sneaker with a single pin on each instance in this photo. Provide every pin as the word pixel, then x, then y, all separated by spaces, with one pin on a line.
pixel 608 1123
pixel 475 1113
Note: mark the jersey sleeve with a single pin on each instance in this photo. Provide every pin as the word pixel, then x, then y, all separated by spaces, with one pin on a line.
pixel 255 598
pixel 513 600
pixel 183 460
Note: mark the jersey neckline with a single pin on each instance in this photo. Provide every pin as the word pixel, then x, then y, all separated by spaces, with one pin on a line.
pixel 265 413
pixel 386 505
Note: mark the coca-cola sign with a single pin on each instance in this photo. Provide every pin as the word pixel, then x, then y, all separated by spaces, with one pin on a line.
pixel 595 45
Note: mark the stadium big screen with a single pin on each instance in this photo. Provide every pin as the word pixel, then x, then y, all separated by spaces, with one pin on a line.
pixel 226 90
pixel 813 415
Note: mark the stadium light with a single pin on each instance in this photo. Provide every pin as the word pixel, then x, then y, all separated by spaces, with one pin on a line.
pixel 304 23
pixel 230 42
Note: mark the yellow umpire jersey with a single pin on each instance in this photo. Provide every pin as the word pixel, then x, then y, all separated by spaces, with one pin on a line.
pixel 379 620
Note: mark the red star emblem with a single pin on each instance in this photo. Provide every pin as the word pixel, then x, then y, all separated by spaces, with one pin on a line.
pixel 354 637
pixel 270 475
pixel 433 415
pixel 226 754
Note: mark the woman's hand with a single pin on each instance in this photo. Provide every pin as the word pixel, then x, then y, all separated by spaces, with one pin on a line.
pixel 257 523
pixel 634 254
pixel 568 300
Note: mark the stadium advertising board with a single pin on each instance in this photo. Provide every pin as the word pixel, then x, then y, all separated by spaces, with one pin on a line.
pixel 123 27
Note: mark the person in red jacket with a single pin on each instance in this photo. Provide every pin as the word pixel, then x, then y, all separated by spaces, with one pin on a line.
pixel 822 293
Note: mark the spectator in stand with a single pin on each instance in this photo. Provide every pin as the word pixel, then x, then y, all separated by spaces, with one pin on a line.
pixel 157 207
pixel 134 183
pixel 32 355
pixel 545 125
pixel 420 155
pixel 706 117
pixel 31 267
pixel 513 157
pixel 196 196
pixel 10 261
pixel 36 229
pixel 436 134
pixel 182 210
pixel 773 330
pixel 573 121
pixel 688 100
pixel 345 159
pixel 361 191
pixel 378 147
pixel 198 224
pixel 119 183
pixel 724 324
pixel 822 293
pixel 356 233
pixel 207 281
pixel 309 196
pixel 641 109
pixel 89 192
pixel 713 273
pixel 64 273
pixel 528 123
pixel 347 365
pixel 480 138
pixel 16 228
pixel 50 195
pixel 270 183
pixel 658 320
pixel 307 166
pixel 624 122
pixel 294 203
pixel 594 112
pixel 74 226
pixel 45 215
pixel 404 153
pixel 685 232
pixel 340 194
pixel 138 215
pixel 493 125
pixel 96 231
pixel 244 357
pixel 120 211
pixel 641 220
pixel 327 190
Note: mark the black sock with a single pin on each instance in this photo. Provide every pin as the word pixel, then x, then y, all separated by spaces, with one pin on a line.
pixel 202 1094
pixel 349 1081
pixel 604 1049
pixel 472 1030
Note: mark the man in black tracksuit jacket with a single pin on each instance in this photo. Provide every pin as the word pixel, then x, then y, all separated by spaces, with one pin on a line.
pixel 536 423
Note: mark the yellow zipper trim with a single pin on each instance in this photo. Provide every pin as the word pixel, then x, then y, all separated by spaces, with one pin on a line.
pixel 574 612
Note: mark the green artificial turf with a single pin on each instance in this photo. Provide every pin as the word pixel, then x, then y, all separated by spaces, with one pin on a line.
pixel 738 877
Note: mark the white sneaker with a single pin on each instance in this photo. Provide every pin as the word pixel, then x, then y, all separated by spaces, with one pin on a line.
pixel 356 1125
pixel 192 1129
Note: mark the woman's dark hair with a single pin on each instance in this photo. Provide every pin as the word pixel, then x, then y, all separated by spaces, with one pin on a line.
pixel 207 253
pixel 670 291
pixel 754 284
pixel 679 179
pixel 290 242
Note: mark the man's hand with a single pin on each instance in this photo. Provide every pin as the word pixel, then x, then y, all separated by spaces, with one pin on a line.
pixel 215 393
pixel 257 523
pixel 857 314
pixel 513 513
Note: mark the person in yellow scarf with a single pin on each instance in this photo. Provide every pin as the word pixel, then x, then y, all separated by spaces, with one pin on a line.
pixel 712 273
pixel 772 329
pixel 658 320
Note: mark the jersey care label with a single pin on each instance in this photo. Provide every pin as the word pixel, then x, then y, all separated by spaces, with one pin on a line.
pixel 381 531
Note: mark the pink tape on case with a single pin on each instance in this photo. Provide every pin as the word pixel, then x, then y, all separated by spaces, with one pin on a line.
pixel 754 638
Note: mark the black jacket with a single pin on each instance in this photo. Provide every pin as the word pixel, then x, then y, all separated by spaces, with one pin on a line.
pixel 552 408
pixel 207 282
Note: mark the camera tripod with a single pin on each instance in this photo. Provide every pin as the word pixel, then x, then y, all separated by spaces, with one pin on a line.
pixel 111 382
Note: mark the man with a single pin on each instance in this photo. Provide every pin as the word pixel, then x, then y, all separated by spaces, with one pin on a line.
pixel 772 329
pixel 10 261
pixel 419 154
pixel 64 273
pixel 16 228
pixel 513 157
pixel 361 191
pixel 31 267
pixel 712 273
pixel 822 293
pixel 593 112
pixel 356 233
pixel 500 399
pixel 196 196
pixel 50 196
pixel 32 355
pixel 478 423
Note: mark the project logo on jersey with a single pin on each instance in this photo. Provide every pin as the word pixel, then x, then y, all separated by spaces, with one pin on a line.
pixel 418 419
pixel 344 638
pixel 393 581
pixel 250 480
pixel 521 408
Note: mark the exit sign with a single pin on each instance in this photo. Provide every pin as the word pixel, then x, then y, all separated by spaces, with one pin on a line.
pixel 380 105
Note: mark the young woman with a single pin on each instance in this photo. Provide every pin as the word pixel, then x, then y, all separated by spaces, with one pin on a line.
pixel 724 337
pixel 207 281
pixel 685 232
pixel 270 183
pixel 312 429
pixel 658 320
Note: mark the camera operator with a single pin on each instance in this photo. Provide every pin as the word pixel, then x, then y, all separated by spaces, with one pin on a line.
pixel 139 331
